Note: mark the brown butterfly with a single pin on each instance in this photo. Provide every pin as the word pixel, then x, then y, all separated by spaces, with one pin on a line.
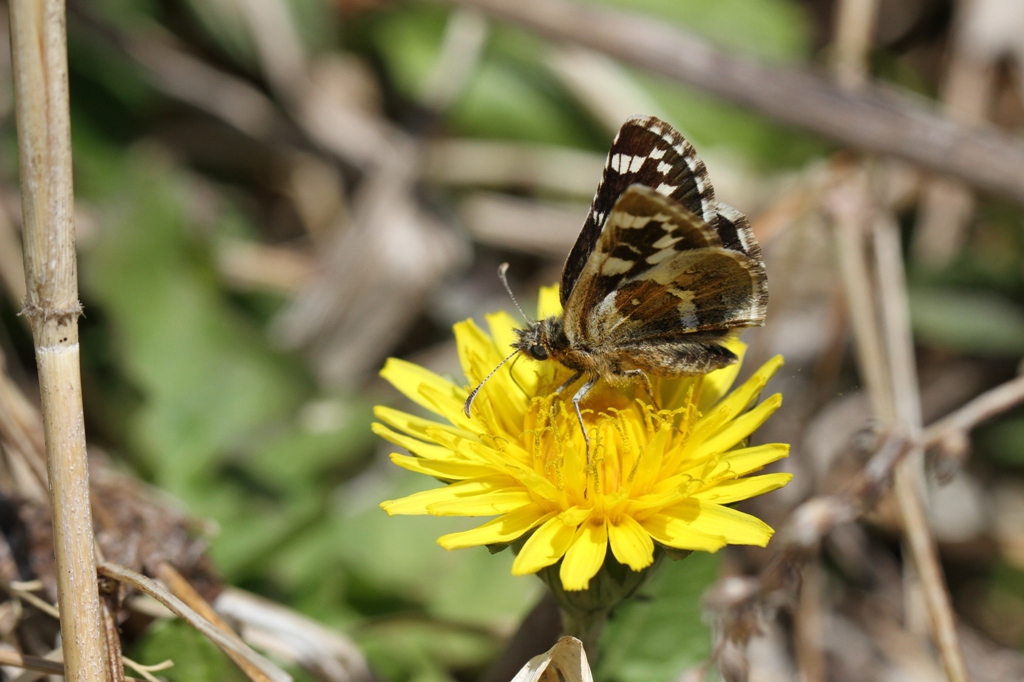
pixel 659 276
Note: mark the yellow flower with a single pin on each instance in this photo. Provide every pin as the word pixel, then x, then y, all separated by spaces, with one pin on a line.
pixel 654 476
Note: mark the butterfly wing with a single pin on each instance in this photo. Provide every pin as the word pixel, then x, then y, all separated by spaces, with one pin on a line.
pixel 647 151
pixel 659 274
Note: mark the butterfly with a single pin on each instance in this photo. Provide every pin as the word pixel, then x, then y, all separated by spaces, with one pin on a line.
pixel 661 274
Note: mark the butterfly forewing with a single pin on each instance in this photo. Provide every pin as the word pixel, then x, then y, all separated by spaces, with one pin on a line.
pixel 649 152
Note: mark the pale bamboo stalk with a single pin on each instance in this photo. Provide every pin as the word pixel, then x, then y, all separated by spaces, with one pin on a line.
pixel 43 665
pixel 854 31
pixel 226 642
pixel 39 51
pixel 908 478
pixel 183 590
pixel 986 406
pixel 886 361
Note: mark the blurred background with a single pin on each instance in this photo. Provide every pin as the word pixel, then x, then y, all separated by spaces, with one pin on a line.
pixel 273 196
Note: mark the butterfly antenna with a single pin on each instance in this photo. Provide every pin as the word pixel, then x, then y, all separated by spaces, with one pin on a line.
pixel 472 396
pixel 513 375
pixel 502 269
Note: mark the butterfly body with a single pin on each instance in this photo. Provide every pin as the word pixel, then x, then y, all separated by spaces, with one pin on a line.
pixel 659 276
pixel 546 339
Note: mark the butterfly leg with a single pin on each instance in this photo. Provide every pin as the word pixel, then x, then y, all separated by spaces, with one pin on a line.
pixel 569 382
pixel 641 376
pixel 584 389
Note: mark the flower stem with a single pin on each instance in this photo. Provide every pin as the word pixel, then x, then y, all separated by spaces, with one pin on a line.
pixel 586 627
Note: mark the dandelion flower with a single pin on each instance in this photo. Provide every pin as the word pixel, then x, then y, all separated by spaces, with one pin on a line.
pixel 655 475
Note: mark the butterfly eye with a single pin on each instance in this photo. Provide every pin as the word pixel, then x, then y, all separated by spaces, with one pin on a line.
pixel 538 352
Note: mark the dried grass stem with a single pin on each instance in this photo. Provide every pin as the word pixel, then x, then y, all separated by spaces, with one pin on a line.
pixel 39 50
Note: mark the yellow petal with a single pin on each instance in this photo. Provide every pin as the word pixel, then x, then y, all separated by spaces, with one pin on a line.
pixel 505 528
pixel 649 467
pixel 585 555
pixel 738 401
pixel 476 350
pixel 408 378
pixel 716 384
pixel 631 544
pixel 452 408
pixel 483 504
pixel 736 527
pixel 673 531
pixel 746 460
pixel 738 429
pixel 546 546
pixel 510 461
pixel 444 470
pixel 549 304
pixel 416 447
pixel 413 425
pixel 423 502
pixel 728 492
pixel 503 329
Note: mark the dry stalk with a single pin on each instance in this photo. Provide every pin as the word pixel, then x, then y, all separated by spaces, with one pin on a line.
pixel 228 643
pixel 908 478
pixel 855 29
pixel 872 118
pixel 986 406
pixel 885 349
pixel 39 49
pixel 184 591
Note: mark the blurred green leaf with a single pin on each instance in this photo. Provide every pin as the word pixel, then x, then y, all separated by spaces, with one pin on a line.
pixel 1002 441
pixel 511 94
pixel 227 26
pixel 659 633
pixel 967 321
pixel 417 650
pixel 400 554
pixel 775 29
pixel 208 378
pixel 196 659
pixel 710 122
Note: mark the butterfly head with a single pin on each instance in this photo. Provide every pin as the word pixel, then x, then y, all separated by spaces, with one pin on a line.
pixel 542 340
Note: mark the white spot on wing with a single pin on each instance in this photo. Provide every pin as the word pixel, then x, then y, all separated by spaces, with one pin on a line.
pixel 688 321
pixel 664 168
pixel 657 154
pixel 628 221
pixel 665 242
pixel 665 188
pixel 659 256
pixel 615 266
pixel 635 164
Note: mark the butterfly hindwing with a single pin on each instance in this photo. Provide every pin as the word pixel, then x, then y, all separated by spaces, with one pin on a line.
pixel 642 228
pixel 659 273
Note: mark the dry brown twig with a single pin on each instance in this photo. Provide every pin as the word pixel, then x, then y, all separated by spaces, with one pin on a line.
pixel 880 315
pixel 263 668
pixel 871 118
pixel 908 478
pixel 950 434
pixel 51 306
pixel 180 588
pixel 739 602
pixel 43 665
